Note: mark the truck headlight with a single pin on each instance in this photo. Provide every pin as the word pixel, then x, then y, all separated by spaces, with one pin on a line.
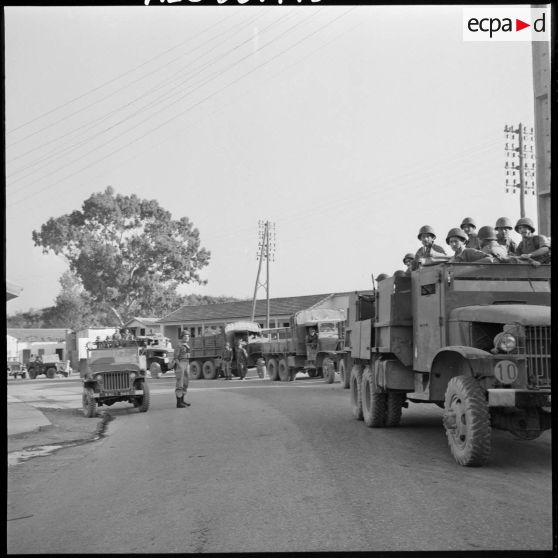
pixel 132 375
pixel 505 342
pixel 99 378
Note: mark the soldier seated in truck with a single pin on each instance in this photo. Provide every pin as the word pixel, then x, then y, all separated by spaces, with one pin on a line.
pixel 534 246
pixel 456 239
pixel 312 337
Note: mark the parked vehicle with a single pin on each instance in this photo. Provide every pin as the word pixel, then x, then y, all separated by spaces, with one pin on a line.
pixel 50 365
pixel 114 374
pixel 313 343
pixel 207 350
pixel 159 353
pixel 472 338
pixel 16 369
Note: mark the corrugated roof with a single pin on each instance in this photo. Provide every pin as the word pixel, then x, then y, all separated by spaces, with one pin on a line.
pixel 37 334
pixel 242 309
pixel 145 321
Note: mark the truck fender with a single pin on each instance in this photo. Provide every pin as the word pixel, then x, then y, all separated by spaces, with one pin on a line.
pixel 90 383
pixel 457 361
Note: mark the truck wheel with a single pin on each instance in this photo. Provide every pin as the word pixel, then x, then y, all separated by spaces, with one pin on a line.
pixel 195 370
pixel 89 403
pixel 374 402
pixel 155 369
pixel 328 370
pixel 395 400
pixel 144 400
pixel 283 370
pixel 32 372
pixel 355 385
pixel 260 367
pixel 345 377
pixel 51 372
pixel 312 372
pixel 272 371
pixel 209 372
pixel 467 421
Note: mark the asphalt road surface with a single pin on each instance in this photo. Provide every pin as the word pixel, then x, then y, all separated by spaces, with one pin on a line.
pixel 260 466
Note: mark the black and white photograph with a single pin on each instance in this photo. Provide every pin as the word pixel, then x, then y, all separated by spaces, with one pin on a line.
pixel 278 277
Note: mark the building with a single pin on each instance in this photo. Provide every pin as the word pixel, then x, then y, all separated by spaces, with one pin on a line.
pixel 199 318
pixel 144 326
pixel 12 290
pixel 31 342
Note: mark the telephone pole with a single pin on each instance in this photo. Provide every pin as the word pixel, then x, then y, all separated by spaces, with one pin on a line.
pixel 266 245
pixel 520 163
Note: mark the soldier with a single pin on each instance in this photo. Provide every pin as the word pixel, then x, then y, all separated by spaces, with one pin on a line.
pixel 182 370
pixel 428 250
pixel 536 247
pixel 227 361
pixel 489 244
pixel 457 239
pixel 241 359
pixel 503 227
pixel 469 227
pixel 408 262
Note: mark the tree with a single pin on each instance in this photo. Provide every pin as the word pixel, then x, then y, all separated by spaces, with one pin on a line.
pixel 127 252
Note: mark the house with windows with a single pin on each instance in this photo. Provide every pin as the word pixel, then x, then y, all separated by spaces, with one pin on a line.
pixel 32 342
pixel 144 326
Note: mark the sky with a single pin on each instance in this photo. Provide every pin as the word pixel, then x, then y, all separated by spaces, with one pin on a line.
pixel 348 127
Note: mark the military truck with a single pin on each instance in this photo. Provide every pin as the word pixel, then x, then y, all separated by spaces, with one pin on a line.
pixel 472 338
pixel 313 343
pixel 114 374
pixel 159 354
pixel 207 350
pixel 50 365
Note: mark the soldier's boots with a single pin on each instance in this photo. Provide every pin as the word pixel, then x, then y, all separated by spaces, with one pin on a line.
pixel 180 403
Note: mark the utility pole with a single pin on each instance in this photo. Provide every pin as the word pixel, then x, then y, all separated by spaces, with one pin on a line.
pixel 520 163
pixel 266 245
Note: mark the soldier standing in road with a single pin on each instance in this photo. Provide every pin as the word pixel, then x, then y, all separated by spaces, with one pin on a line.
pixel 469 227
pixel 241 359
pixel 503 227
pixel 182 370
pixel 227 361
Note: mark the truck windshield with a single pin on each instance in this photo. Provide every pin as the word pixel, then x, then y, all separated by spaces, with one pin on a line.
pixel 327 329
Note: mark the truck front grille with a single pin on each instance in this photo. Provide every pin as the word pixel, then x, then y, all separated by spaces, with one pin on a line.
pixel 537 353
pixel 116 381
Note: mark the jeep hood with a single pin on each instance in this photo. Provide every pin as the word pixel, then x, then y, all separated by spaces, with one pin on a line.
pixel 521 314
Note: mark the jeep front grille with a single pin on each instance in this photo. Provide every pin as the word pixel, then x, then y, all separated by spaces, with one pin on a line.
pixel 537 353
pixel 116 381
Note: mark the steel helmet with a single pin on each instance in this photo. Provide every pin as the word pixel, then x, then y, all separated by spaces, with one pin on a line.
pixel 487 233
pixel 526 222
pixel 382 276
pixel 458 233
pixel 407 256
pixel 468 221
pixel 426 229
pixel 503 223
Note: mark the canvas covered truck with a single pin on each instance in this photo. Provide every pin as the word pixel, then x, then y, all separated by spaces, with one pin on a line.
pixel 313 343
pixel 472 338
pixel 206 351
pixel 114 374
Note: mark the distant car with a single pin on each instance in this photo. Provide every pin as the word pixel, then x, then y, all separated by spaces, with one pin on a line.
pixel 16 369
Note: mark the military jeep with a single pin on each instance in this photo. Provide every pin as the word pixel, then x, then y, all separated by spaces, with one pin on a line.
pixel 114 374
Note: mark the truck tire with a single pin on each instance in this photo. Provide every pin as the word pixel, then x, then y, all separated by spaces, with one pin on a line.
pixel 51 372
pixel 466 420
pixel 312 372
pixel 209 371
pixel 355 385
pixel 195 370
pixel 144 400
pixel 345 377
pixel 374 402
pixel 32 371
pixel 89 403
pixel 395 400
pixel 283 370
pixel 260 367
pixel 272 370
pixel 328 368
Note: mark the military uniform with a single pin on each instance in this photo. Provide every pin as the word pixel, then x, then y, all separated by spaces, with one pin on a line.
pixel 509 244
pixel 470 255
pixel 496 250
pixel 182 369
pixel 227 362
pixel 531 243
pixel 473 242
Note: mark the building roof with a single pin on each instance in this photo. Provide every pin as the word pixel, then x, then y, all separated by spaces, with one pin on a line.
pixel 12 290
pixel 242 309
pixel 30 335
pixel 144 321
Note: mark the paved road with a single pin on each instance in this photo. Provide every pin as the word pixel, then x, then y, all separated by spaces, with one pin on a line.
pixel 257 466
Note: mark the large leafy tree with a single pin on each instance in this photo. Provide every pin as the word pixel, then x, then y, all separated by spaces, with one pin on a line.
pixel 127 252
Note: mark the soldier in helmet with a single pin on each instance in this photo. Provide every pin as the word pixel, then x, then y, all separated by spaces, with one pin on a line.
pixel 489 244
pixel 532 246
pixel 469 227
pixel 382 276
pixel 428 250
pixel 408 262
pixel 503 228
pixel 457 239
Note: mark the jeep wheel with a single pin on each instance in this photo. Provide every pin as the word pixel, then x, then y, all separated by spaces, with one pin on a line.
pixel 467 421
pixel 374 402
pixel 89 403
pixel 283 370
pixel 195 370
pixel 328 368
pixel 355 386
pixel 345 377
pixel 209 371
pixel 272 370
pixel 51 372
pixel 144 400
pixel 32 372
pixel 395 400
